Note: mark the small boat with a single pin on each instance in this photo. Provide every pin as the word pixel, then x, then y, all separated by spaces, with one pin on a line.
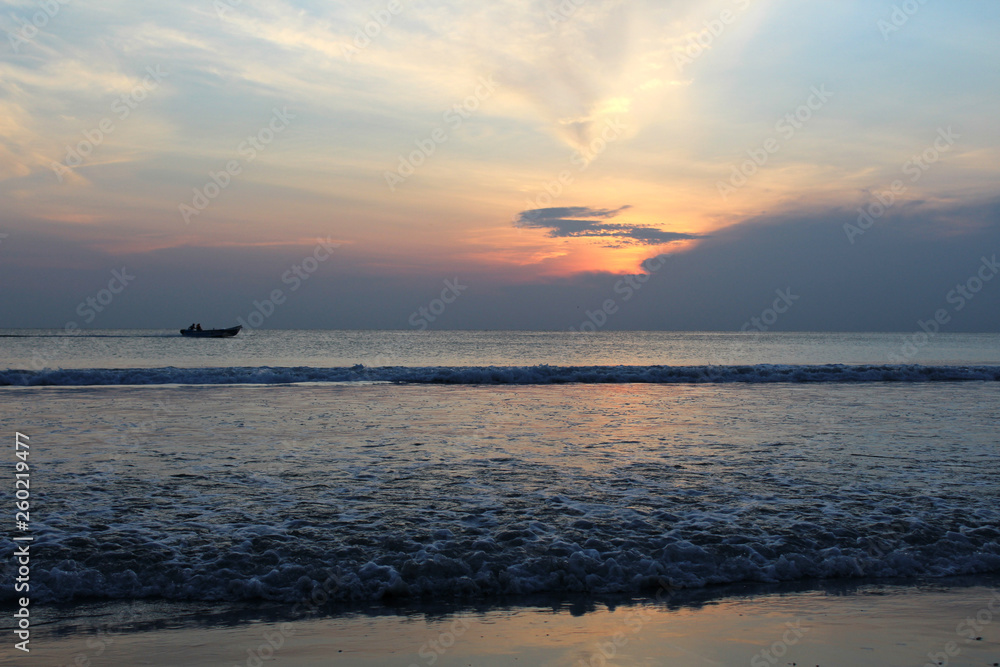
pixel 212 333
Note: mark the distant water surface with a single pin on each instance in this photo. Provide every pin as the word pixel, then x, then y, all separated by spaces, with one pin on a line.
pixel 133 348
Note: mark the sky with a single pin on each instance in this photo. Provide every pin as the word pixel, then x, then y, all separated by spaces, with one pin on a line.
pixel 519 164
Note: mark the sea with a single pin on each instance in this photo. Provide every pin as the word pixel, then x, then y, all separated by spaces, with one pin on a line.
pixel 480 466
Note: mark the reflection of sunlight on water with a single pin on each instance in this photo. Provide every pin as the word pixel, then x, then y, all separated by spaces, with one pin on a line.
pixel 624 475
pixel 485 348
pixel 839 624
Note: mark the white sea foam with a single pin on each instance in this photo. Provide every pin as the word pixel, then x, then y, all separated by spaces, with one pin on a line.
pixel 604 550
pixel 230 493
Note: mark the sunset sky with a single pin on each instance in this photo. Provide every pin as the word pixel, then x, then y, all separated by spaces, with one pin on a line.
pixel 536 151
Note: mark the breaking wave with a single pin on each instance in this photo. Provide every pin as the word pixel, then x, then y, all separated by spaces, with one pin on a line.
pixel 500 375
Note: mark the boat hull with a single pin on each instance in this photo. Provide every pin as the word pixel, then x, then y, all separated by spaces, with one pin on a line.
pixel 212 333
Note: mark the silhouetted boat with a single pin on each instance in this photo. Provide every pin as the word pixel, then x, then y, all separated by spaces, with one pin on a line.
pixel 212 333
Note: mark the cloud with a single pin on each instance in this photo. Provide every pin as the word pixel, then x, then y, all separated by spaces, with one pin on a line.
pixel 572 222
pixel 898 274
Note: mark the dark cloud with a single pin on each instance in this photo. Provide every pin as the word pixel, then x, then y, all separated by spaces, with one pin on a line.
pixel 899 273
pixel 583 221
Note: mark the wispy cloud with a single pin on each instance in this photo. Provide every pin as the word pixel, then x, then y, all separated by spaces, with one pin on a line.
pixel 583 221
pixel 565 70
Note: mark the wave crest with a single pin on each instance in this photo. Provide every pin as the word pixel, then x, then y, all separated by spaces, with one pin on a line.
pixel 502 375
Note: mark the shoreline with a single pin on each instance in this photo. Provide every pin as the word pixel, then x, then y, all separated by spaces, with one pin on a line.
pixel 954 621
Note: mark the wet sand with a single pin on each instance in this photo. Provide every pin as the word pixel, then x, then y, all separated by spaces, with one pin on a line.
pixel 874 625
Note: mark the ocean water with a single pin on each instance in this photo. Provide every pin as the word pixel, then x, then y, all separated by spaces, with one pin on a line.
pixel 37 349
pixel 483 465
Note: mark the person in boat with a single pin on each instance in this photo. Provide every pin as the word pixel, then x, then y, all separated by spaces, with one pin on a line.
pixel 199 327
pixel 191 328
